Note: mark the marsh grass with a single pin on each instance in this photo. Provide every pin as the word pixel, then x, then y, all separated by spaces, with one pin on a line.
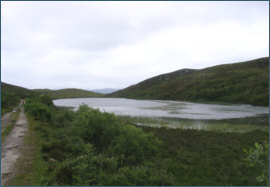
pixel 207 158
pixel 241 125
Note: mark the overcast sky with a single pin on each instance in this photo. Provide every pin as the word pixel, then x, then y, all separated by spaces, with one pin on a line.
pixel 93 45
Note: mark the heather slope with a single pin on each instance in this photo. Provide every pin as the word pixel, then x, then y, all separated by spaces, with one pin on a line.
pixel 244 82
pixel 68 93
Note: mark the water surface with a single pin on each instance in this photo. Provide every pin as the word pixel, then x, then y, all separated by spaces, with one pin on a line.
pixel 161 108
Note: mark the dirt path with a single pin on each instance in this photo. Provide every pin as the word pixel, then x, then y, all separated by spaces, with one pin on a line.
pixel 11 148
pixel 5 119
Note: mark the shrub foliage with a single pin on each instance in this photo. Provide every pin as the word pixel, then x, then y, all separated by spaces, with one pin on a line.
pixel 87 147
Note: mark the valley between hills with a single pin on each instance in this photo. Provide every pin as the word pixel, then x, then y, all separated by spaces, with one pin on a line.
pixel 87 146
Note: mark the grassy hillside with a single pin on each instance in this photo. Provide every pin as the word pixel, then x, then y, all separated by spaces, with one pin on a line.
pixel 67 93
pixel 11 95
pixel 17 90
pixel 245 82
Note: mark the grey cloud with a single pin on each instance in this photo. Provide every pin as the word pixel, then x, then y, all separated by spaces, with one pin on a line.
pixel 114 44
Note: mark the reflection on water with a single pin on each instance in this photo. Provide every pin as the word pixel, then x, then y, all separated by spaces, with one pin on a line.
pixel 161 108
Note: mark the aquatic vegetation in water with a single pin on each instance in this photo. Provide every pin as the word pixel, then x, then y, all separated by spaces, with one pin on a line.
pixel 239 125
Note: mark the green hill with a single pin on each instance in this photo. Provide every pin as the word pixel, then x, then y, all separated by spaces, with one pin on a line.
pixel 67 93
pixel 11 96
pixel 17 90
pixel 244 82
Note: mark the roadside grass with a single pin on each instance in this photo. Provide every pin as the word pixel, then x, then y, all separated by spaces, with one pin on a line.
pixel 13 118
pixel 31 167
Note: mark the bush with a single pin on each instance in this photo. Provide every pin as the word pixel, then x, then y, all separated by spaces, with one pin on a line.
pixel 142 176
pixel 94 148
pixel 46 100
pixel 132 145
pixel 38 110
pixel 258 157
pixel 108 134
pixel 8 100
pixel 95 127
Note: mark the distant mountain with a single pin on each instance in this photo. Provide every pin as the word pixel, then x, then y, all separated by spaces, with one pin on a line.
pixel 105 90
pixel 67 93
pixel 244 82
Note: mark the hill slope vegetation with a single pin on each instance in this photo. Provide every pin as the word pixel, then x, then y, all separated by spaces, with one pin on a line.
pixel 11 95
pixel 67 93
pixel 244 82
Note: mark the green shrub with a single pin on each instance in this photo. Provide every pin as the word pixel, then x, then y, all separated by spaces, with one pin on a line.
pixel 8 100
pixel 108 134
pixel 64 175
pixel 142 176
pixel 258 157
pixel 63 119
pixel 132 145
pixel 96 127
pixel 38 110
pixel 95 148
pixel 46 100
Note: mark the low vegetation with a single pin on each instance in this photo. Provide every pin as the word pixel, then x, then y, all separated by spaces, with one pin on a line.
pixel 87 147
pixel 242 125
pixel 210 158
pixel 11 96
pixel 246 82
pixel 257 157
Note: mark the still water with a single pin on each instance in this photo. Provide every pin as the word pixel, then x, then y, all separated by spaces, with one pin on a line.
pixel 161 108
